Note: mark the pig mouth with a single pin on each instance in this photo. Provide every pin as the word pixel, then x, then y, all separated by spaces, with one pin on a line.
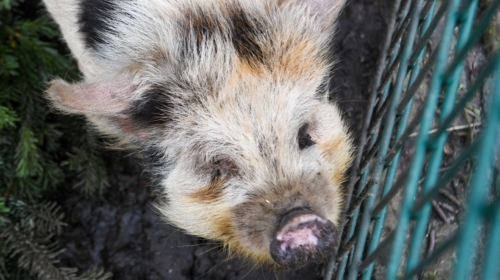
pixel 303 236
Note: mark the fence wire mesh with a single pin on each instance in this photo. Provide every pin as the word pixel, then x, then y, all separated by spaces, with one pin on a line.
pixel 424 192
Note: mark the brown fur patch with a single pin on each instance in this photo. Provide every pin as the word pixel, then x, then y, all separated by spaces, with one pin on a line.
pixel 243 71
pixel 209 194
pixel 134 68
pixel 300 58
pixel 223 227
pixel 331 147
pixel 337 151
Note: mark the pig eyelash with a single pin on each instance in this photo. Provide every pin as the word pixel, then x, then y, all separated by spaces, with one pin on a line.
pixel 304 138
pixel 223 167
pixel 322 88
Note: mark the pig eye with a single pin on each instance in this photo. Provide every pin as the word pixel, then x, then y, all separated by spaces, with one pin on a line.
pixel 223 167
pixel 304 138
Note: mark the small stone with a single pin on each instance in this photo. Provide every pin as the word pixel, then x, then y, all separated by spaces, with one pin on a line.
pixel 448 150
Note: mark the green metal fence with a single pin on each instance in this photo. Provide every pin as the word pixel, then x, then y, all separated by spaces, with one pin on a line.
pixel 414 154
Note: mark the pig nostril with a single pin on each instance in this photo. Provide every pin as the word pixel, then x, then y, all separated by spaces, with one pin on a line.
pixel 284 217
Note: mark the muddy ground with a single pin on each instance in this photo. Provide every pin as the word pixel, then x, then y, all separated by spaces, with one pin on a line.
pixel 121 232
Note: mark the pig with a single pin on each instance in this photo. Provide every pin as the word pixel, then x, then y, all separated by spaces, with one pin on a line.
pixel 228 102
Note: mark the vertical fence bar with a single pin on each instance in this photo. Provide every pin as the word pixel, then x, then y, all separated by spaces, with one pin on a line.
pixel 362 185
pixel 492 259
pixel 352 227
pixel 355 172
pixel 391 172
pixel 428 149
pixel 364 132
pixel 478 187
pixel 421 145
pixel 437 155
pixel 385 141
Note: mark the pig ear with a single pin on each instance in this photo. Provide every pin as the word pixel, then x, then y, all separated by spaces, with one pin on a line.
pixel 107 104
pixel 99 98
pixel 326 11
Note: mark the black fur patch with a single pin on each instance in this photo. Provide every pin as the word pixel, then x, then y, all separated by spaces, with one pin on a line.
pixel 245 35
pixel 94 20
pixel 243 31
pixel 203 27
pixel 154 109
pixel 155 161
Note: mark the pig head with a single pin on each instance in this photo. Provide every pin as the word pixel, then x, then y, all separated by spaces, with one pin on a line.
pixel 228 101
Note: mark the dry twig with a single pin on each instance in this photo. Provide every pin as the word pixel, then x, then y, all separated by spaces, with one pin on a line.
pixel 454 128
pixel 432 242
pixel 439 211
pixel 451 197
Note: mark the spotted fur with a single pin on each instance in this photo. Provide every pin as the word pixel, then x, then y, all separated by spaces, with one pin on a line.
pixel 226 99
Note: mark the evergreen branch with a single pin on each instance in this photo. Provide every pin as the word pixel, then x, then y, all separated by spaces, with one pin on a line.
pixel 27 156
pixel 88 163
pixel 32 149
pixel 95 274
pixel 93 176
pixel 3 268
pixel 36 255
pixel 8 118
pixel 45 218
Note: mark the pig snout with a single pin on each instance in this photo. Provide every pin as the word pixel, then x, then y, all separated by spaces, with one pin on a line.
pixel 302 237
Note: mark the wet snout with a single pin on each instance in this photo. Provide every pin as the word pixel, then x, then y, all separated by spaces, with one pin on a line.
pixel 302 237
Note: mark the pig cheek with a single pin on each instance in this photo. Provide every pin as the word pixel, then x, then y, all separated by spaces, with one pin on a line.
pixel 194 204
pixel 323 196
pixel 333 140
pixel 210 198
pixel 329 201
pixel 319 190
pixel 328 152
pixel 211 193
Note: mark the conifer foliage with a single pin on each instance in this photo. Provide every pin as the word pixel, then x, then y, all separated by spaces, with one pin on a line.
pixel 40 152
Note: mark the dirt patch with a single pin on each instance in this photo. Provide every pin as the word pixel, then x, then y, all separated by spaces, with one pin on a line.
pixel 121 231
pixel 360 35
